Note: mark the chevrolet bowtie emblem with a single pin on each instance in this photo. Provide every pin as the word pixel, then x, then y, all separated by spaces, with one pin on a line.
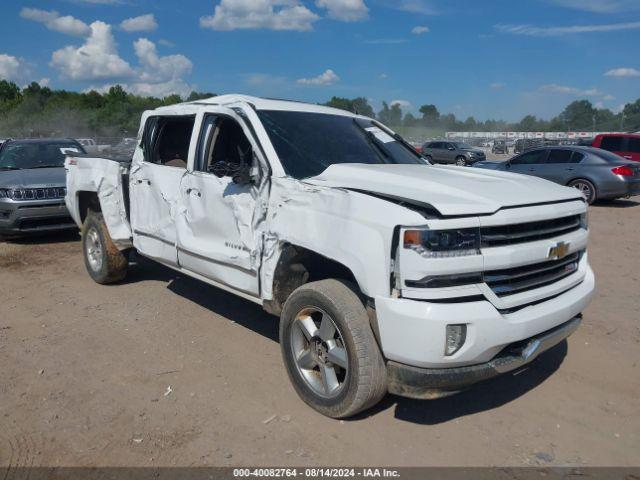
pixel 559 251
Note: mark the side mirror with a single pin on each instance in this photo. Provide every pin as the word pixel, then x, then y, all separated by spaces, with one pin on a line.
pixel 242 176
pixel 450 148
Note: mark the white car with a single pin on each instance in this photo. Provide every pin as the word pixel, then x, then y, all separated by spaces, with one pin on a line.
pixel 389 274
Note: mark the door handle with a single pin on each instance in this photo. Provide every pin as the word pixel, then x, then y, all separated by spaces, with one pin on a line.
pixel 143 180
pixel 570 169
pixel 195 191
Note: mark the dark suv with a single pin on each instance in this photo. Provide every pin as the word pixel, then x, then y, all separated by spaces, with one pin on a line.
pixel 500 146
pixel 33 186
pixel 457 153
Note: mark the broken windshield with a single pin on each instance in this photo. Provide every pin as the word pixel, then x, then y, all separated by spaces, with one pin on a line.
pixel 307 143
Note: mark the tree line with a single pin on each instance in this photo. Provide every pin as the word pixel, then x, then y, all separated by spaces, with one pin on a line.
pixel 580 115
pixel 39 111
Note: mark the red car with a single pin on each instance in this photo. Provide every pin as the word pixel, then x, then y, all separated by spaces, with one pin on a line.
pixel 626 145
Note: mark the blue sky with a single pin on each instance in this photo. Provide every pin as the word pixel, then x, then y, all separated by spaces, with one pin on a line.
pixel 490 59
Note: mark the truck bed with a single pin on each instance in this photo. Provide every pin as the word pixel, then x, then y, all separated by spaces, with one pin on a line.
pixel 106 179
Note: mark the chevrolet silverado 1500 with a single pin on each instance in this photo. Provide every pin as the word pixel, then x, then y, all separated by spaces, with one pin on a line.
pixel 389 274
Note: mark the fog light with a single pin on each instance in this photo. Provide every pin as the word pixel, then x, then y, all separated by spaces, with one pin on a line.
pixel 456 335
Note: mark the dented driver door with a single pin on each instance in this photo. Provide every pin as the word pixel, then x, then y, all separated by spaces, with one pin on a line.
pixel 216 228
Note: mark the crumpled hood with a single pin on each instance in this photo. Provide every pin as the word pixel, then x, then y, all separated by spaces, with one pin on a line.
pixel 34 178
pixel 451 190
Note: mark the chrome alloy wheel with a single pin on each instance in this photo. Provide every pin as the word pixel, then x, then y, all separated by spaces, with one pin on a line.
pixel 585 189
pixel 93 247
pixel 319 352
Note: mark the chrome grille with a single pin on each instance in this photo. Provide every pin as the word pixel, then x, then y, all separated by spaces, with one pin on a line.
pixel 528 277
pixel 528 232
pixel 50 193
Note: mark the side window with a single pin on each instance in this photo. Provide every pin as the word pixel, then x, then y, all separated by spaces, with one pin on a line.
pixel 613 144
pixel 530 158
pixel 559 156
pixel 223 147
pixel 634 145
pixel 577 157
pixel 435 145
pixel 166 140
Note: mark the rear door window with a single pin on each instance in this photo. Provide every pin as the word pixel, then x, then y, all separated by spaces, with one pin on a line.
pixel 633 145
pixel 166 140
pixel 576 157
pixel 613 144
pixel 559 156
pixel 530 158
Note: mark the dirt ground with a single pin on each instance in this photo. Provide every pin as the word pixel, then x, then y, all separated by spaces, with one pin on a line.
pixel 164 370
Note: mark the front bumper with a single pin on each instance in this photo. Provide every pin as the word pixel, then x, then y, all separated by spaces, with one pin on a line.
pixel 429 383
pixel 28 217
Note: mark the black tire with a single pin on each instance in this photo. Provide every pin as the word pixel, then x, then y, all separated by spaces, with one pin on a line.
pixel 587 188
pixel 461 161
pixel 364 380
pixel 104 262
pixel 429 158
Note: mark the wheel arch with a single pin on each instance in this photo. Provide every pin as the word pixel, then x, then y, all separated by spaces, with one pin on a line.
pixel 297 266
pixel 87 200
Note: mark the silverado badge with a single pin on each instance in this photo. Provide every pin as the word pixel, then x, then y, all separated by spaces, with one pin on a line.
pixel 559 251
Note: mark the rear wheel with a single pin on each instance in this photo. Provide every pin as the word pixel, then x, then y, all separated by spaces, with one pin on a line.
pixel 461 161
pixel 587 188
pixel 429 158
pixel 105 263
pixel 329 350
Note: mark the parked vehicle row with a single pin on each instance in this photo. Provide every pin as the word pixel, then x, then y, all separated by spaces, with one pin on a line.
pixel 597 173
pixel 389 274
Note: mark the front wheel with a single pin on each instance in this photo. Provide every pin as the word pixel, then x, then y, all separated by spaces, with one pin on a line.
pixel 329 350
pixel 587 188
pixel 105 263
pixel 461 161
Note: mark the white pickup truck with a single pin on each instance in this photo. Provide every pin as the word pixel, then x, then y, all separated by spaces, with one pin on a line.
pixel 389 274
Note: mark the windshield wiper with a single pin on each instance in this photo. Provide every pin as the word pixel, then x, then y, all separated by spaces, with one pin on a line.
pixel 9 168
pixel 373 141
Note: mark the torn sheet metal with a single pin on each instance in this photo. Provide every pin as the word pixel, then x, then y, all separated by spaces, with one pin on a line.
pixel 104 177
pixel 321 219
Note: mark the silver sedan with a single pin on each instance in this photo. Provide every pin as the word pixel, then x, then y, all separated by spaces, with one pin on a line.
pixel 599 174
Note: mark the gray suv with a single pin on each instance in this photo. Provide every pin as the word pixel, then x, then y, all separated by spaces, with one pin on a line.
pixel 32 186
pixel 457 153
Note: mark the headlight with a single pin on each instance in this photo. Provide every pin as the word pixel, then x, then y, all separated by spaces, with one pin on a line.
pixel 584 220
pixel 443 243
pixel 4 193
pixel 471 154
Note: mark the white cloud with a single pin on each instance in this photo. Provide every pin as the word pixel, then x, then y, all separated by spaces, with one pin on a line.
pixel 497 85
pixel 101 2
pixel 404 104
pixel 562 89
pixel 97 58
pixel 143 23
pixel 166 43
pixel 423 7
pixel 533 31
pixel 53 21
pixel 623 72
pixel 608 97
pixel 383 76
pixel 327 78
pixel 345 10
pixel 599 6
pixel 264 79
pixel 12 68
pixel 260 14
pixel 419 30
pixel 598 105
pixel 156 69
